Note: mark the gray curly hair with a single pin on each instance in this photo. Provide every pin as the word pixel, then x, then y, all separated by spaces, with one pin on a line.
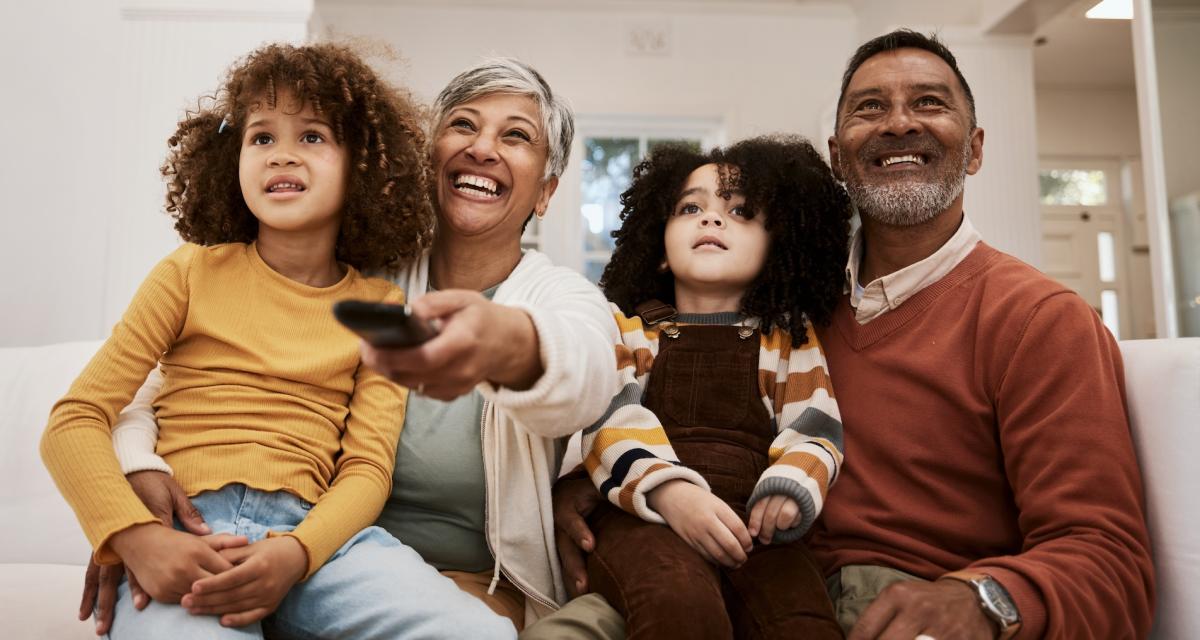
pixel 508 75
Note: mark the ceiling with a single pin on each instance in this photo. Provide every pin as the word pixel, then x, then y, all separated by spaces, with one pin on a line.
pixel 1083 53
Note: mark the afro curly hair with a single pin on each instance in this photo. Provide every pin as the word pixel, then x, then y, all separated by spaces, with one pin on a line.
pixel 782 177
pixel 387 219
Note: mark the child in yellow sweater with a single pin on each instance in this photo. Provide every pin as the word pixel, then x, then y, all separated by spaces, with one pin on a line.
pixel 304 170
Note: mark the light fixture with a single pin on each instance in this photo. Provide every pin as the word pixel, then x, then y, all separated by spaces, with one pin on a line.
pixel 1112 10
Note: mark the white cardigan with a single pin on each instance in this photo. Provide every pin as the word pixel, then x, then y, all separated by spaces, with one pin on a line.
pixel 524 432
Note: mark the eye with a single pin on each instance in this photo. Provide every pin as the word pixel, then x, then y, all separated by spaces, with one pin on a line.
pixel 261 138
pixel 929 101
pixel 519 134
pixel 870 105
pixel 688 209
pixel 741 212
pixel 313 138
pixel 462 123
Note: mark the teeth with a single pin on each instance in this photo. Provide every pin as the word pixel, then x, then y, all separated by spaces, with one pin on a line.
pixel 285 185
pixel 909 158
pixel 479 182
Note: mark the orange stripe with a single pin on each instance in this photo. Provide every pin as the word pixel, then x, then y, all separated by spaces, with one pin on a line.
pixel 811 465
pixel 626 495
pixel 800 386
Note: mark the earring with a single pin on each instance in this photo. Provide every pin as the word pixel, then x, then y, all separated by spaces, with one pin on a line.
pixel 540 214
pixel 664 267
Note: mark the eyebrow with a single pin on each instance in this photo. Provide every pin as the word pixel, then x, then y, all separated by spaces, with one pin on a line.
pixel 934 87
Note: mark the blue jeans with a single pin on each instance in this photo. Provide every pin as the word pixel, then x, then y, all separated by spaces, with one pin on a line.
pixel 373 587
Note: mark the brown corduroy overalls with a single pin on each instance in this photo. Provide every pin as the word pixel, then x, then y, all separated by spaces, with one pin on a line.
pixel 704 389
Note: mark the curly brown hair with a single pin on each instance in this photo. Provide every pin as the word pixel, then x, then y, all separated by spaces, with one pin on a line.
pixel 782 177
pixel 387 218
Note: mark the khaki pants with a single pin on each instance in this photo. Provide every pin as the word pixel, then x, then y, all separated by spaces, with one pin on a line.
pixel 588 617
pixel 507 600
pixel 856 586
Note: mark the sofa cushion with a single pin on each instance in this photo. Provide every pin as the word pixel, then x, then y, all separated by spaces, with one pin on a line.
pixel 39 527
pixel 1162 380
pixel 42 601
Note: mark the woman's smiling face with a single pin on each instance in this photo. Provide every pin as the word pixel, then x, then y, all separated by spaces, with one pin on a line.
pixel 489 155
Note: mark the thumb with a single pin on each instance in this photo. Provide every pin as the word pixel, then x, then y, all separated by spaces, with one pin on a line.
pixel 189 516
pixel 439 304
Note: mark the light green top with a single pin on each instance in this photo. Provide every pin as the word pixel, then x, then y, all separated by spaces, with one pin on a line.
pixel 438 490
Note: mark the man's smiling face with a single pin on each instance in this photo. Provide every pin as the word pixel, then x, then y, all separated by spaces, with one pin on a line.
pixel 905 140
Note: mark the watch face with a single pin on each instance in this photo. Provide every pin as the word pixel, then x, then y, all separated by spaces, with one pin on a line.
pixel 997 600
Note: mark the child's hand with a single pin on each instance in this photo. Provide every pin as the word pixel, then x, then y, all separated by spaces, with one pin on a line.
pixel 249 592
pixel 703 520
pixel 167 561
pixel 771 514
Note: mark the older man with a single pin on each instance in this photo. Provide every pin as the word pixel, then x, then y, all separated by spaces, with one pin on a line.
pixel 990 488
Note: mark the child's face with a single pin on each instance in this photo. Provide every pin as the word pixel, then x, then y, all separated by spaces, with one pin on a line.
pixel 712 247
pixel 292 171
pixel 489 157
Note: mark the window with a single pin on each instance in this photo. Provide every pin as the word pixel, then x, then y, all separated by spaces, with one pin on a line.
pixel 1073 187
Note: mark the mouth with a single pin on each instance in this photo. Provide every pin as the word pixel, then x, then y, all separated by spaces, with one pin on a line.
pixel 477 186
pixel 285 184
pixel 902 160
pixel 710 241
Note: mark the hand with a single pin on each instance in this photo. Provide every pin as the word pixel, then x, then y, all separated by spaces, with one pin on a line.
pixel 771 514
pixel 575 497
pixel 100 585
pixel 167 500
pixel 479 340
pixel 703 520
pixel 249 592
pixel 941 609
pixel 167 561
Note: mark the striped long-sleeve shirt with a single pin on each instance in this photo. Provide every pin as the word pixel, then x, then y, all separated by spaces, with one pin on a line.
pixel 627 453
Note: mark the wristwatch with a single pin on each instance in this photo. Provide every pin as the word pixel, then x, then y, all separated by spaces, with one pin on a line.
pixel 997 605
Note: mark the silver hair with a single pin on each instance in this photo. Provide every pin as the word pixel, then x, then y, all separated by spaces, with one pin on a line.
pixel 905 204
pixel 508 75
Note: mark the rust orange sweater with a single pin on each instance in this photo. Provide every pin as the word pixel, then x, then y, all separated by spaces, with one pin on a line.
pixel 985 427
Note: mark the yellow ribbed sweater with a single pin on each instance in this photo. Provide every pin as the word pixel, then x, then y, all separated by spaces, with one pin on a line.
pixel 262 387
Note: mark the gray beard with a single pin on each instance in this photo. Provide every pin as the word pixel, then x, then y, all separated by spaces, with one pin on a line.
pixel 906 204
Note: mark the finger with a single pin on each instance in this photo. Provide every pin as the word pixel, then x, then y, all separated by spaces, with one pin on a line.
pixel 737 528
pixel 238 576
pixel 770 517
pixel 140 597
pixel 241 598
pixel 220 541
pixel 716 552
pixel 244 618
pixel 212 563
pixel 91 580
pixel 875 619
pixel 237 555
pixel 729 544
pixel 106 598
pixel 574 564
pixel 576 527
pixel 189 516
pixel 756 517
pixel 439 304
pixel 789 513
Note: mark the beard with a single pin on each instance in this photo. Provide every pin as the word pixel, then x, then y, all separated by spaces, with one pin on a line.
pixel 907 202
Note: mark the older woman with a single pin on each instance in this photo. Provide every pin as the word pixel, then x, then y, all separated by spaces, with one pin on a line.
pixel 523 359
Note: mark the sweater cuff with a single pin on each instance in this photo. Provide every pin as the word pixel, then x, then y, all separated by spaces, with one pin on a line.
pixel 1026 597
pixel 776 485
pixel 648 483
pixel 135 454
pixel 553 344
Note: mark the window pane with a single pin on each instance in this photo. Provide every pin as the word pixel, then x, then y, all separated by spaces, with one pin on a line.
pixel 593 269
pixel 1108 257
pixel 1073 187
pixel 1110 312
pixel 607 169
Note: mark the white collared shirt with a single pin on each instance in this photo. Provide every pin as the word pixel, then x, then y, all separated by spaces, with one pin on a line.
pixel 884 294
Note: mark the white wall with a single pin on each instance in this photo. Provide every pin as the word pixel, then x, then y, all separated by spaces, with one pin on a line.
pixel 1087 122
pixel 93 90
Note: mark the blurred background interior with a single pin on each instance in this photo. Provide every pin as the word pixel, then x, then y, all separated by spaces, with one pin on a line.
pixel 1091 171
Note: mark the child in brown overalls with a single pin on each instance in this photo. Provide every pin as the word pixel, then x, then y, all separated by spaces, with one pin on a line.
pixel 726 429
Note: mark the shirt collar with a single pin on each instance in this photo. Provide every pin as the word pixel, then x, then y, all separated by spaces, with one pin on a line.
pixel 884 294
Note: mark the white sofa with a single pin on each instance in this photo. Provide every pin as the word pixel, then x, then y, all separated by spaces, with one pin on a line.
pixel 42 550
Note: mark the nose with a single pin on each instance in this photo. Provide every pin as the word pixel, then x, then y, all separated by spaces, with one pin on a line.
pixel 711 218
pixel 483 149
pixel 283 156
pixel 900 122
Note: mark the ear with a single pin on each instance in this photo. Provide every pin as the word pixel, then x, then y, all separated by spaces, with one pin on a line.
pixel 976 160
pixel 547 190
pixel 835 158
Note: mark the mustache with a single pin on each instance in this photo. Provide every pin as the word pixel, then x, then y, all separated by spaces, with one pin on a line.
pixel 923 143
